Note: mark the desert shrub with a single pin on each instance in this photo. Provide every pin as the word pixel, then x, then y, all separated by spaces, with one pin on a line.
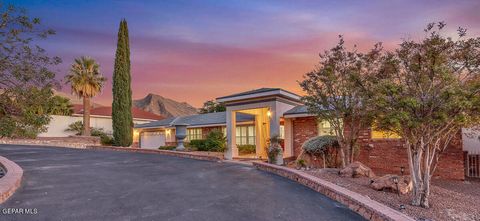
pixel 167 147
pixel 216 141
pixel 105 139
pixel 76 127
pixel 246 149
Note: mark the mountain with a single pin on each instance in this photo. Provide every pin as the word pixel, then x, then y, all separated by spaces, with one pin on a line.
pixel 164 106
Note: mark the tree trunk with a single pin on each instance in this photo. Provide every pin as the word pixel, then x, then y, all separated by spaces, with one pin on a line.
pixel 420 176
pixel 86 116
pixel 324 161
pixel 342 156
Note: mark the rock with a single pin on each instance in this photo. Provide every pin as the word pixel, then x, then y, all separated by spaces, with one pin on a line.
pixel 386 182
pixel 357 169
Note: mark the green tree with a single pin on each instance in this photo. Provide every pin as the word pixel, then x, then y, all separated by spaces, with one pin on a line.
pixel 24 113
pixel 122 92
pixel 25 76
pixel 86 82
pixel 212 107
pixel 426 92
pixel 334 94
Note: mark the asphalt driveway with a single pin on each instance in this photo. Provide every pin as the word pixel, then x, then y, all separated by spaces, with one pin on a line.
pixel 72 184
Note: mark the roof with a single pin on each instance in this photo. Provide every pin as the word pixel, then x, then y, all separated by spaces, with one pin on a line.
pixel 300 109
pixel 77 108
pixel 197 120
pixel 136 113
pixel 264 91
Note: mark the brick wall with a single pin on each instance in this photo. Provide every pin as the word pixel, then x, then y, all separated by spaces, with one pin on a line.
pixel 386 155
pixel 303 129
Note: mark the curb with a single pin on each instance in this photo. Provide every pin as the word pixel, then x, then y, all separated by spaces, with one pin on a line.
pixel 366 207
pixel 163 152
pixel 12 179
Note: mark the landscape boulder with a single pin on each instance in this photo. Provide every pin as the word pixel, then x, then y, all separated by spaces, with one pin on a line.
pixel 356 169
pixel 387 183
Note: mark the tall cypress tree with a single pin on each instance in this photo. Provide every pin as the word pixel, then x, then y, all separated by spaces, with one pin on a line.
pixel 122 121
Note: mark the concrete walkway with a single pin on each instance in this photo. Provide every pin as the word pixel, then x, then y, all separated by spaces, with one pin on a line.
pixel 72 184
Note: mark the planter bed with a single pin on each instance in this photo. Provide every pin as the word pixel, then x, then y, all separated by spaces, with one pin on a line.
pixel 449 200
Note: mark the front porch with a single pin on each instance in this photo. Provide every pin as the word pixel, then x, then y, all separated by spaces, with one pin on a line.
pixel 267 105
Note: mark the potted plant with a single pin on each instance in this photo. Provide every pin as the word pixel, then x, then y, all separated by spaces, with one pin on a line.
pixel 275 151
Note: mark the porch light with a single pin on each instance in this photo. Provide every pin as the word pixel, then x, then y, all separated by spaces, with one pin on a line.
pixel 135 133
pixel 167 131
pixel 269 114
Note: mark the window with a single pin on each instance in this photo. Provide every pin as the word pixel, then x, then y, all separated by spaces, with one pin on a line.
pixel 378 134
pixel 224 131
pixel 324 128
pixel 194 134
pixel 245 135
pixel 282 132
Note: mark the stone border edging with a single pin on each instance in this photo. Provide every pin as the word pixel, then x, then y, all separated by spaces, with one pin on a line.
pixel 12 179
pixel 163 152
pixel 366 207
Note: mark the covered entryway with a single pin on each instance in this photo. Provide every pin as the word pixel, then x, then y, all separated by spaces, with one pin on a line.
pixel 152 140
pixel 268 106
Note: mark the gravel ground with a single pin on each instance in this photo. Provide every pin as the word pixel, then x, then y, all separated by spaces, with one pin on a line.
pixel 449 200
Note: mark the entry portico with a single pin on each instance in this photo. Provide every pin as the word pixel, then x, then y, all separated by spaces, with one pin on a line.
pixel 267 105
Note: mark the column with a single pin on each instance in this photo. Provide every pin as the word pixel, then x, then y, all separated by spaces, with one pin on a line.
pixel 232 150
pixel 288 138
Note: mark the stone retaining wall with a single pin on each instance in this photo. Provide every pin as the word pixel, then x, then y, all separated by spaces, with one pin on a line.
pixel 366 207
pixel 12 179
pixel 72 142
pixel 191 155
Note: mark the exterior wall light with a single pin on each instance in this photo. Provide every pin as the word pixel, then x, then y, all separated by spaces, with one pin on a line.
pixel 269 113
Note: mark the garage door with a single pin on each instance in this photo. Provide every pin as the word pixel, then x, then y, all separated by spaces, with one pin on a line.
pixel 152 140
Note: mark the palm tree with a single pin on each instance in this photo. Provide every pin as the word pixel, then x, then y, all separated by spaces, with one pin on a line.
pixel 60 106
pixel 86 82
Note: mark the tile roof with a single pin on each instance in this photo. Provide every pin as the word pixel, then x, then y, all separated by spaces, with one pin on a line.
pixel 197 120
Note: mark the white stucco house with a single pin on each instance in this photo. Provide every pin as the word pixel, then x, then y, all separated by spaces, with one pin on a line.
pixel 101 117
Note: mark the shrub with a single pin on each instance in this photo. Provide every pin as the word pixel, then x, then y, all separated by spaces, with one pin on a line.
pixel 197 144
pixel 246 149
pixel 216 141
pixel 167 147
pixel 320 144
pixel 105 139
pixel 76 127
pixel 324 146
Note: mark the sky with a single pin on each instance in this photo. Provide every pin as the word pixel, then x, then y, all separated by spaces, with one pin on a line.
pixel 194 51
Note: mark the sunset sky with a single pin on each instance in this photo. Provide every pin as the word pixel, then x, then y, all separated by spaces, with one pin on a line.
pixel 194 51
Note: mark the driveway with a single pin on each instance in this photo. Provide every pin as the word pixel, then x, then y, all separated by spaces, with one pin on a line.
pixel 72 184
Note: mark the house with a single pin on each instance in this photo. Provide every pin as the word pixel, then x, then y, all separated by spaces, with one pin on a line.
pixel 100 117
pixel 252 117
